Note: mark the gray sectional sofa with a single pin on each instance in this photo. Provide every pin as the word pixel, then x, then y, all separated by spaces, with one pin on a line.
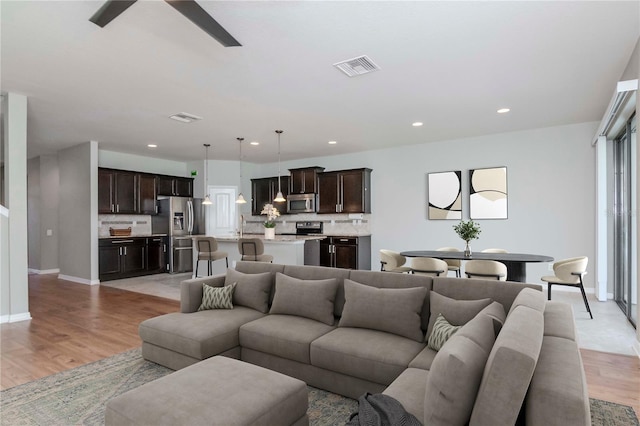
pixel 513 360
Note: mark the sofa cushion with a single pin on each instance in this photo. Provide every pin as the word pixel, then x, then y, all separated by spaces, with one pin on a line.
pixel 321 273
pixel 252 290
pixel 394 310
pixel 509 369
pixel 311 299
pixel 216 297
pixel 457 312
pixel 424 359
pixel 409 389
pixel 367 354
pixel 456 372
pixel 531 298
pixel 559 320
pixel 199 335
pixel 285 336
pixel 441 332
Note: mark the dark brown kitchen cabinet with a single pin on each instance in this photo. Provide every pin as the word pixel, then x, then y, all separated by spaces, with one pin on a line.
pixel 304 180
pixel 345 191
pixel 131 257
pixel 346 252
pixel 175 186
pixel 156 255
pixel 117 191
pixel 264 190
pixel 147 193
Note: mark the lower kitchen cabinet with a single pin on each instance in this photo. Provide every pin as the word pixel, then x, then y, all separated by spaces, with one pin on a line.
pixel 131 257
pixel 346 252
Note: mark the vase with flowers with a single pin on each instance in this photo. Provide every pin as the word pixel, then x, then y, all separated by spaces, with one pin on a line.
pixel 270 224
pixel 468 231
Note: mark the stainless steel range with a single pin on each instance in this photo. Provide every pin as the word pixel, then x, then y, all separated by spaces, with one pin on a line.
pixel 309 228
pixel 311 247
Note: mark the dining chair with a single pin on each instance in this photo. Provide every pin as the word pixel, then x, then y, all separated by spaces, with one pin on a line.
pixel 207 248
pixel 252 249
pixel 494 250
pixel 485 269
pixel 569 272
pixel 392 261
pixel 452 264
pixel 429 266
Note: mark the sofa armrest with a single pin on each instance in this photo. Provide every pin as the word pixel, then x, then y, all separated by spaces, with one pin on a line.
pixel 191 291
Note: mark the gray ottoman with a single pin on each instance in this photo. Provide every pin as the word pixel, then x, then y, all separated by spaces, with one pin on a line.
pixel 216 391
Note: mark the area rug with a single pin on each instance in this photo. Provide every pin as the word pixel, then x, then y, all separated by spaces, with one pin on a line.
pixel 78 396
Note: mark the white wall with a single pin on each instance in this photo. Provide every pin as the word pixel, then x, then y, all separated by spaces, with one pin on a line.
pixel 138 163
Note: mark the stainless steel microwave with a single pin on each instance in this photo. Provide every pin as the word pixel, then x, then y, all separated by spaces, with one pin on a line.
pixel 301 203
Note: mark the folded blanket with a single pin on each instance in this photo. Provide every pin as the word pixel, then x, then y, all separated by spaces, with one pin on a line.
pixel 381 410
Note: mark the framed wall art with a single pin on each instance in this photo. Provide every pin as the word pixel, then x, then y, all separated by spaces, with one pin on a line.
pixel 445 195
pixel 488 197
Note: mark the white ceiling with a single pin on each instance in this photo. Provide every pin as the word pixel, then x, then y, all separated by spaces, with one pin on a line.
pixel 448 64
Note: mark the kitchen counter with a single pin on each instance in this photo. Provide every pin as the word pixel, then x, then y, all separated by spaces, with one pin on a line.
pixel 279 238
pixel 110 237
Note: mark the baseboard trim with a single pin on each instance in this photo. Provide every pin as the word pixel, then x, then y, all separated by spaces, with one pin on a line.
pixel 25 316
pixel 78 280
pixel 44 271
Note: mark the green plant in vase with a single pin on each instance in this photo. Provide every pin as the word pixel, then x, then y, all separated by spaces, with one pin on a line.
pixel 467 230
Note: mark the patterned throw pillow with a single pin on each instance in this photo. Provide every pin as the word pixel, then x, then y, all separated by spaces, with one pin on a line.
pixel 217 297
pixel 441 332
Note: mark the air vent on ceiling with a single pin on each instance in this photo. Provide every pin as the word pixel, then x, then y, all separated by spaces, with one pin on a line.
pixel 185 117
pixel 357 66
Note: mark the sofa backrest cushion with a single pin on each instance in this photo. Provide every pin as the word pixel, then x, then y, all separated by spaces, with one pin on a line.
pixel 393 280
pixel 311 299
pixel 531 298
pixel 456 312
pixel 321 273
pixel 509 369
pixel 456 373
pixel 394 310
pixel 252 290
pixel 248 267
pixel 473 288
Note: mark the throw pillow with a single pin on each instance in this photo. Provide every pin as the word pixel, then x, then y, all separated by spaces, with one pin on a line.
pixel 441 332
pixel 252 290
pixel 457 312
pixel 393 310
pixel 216 297
pixel 311 299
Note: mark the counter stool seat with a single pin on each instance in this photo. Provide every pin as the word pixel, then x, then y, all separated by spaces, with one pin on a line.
pixel 216 391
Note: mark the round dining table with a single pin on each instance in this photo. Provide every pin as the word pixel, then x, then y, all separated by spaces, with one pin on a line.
pixel 516 262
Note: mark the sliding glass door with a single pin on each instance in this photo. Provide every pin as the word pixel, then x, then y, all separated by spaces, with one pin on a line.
pixel 624 204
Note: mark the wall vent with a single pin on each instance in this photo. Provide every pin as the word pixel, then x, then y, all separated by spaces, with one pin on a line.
pixel 357 66
pixel 185 117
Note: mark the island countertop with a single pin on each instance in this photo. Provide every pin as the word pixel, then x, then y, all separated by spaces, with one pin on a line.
pixel 279 238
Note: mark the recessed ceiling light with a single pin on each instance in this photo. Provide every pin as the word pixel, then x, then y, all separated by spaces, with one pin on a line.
pixel 255 143
pixel 152 145
pixel 333 142
pixel 503 110
pixel 417 124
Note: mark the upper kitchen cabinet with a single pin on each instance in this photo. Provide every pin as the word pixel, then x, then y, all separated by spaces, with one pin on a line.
pixel 117 191
pixel 344 191
pixel 304 180
pixel 147 190
pixel 264 190
pixel 175 186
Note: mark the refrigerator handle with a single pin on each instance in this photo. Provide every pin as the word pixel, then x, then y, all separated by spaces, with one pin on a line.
pixel 190 216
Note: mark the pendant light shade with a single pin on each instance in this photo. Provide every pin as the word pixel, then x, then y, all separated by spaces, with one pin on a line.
pixel 207 199
pixel 279 197
pixel 240 199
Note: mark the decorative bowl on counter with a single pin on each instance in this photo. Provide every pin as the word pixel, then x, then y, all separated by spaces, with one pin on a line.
pixel 125 232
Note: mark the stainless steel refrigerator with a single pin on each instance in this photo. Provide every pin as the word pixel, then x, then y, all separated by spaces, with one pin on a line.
pixel 180 218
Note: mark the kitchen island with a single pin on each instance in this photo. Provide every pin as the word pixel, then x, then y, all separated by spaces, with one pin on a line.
pixel 285 249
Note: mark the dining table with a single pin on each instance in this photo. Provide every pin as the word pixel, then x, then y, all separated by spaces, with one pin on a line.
pixel 516 263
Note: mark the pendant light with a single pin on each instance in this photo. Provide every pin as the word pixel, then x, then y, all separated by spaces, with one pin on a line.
pixel 279 197
pixel 240 199
pixel 207 199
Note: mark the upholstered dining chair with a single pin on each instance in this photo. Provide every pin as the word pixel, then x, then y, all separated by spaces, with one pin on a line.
pixel 569 272
pixel 208 250
pixel 452 264
pixel 494 250
pixel 429 266
pixel 252 249
pixel 485 269
pixel 392 261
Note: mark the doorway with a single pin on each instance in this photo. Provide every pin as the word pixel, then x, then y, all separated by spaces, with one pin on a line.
pixel 221 215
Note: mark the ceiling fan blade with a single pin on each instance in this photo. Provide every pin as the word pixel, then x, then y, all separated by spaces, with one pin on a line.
pixel 196 14
pixel 109 11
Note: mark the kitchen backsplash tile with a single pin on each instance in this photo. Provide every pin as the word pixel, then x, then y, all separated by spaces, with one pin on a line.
pixel 332 224
pixel 140 224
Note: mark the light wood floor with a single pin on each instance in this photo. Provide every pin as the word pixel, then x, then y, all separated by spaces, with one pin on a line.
pixel 74 324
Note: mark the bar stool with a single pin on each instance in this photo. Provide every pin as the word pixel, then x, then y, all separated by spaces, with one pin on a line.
pixel 252 249
pixel 208 250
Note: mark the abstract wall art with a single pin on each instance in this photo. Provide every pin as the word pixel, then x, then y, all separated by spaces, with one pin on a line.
pixel 445 195
pixel 488 193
